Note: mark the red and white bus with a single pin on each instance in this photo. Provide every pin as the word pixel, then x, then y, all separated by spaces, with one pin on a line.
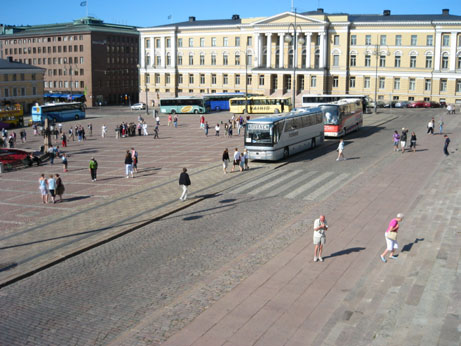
pixel 342 117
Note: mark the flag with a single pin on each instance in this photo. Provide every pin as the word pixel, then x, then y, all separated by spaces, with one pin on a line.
pixel 83 3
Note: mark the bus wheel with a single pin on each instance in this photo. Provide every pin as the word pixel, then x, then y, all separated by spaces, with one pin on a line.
pixel 276 111
pixel 76 117
pixel 195 111
pixel 313 144
pixel 286 153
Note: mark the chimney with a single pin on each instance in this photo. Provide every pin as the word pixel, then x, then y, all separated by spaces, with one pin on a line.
pixel 320 10
pixel 191 19
pixel 235 17
pixel 386 12
pixel 446 11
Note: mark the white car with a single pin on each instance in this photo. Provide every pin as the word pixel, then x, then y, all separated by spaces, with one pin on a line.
pixel 138 106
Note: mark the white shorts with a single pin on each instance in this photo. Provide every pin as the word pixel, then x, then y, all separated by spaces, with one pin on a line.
pixel 225 163
pixel 320 240
pixel 43 191
pixel 391 244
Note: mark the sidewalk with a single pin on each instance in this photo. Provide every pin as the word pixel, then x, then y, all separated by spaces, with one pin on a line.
pixel 353 298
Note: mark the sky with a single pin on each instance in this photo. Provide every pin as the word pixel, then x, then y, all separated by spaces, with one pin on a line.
pixel 145 13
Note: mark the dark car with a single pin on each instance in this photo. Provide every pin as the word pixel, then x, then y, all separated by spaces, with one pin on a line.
pixel 416 104
pixel 402 104
pixel 443 104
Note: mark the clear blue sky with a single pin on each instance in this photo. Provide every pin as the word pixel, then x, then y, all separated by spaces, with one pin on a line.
pixel 154 12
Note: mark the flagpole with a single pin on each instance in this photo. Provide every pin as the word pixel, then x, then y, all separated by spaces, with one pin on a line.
pixel 87 8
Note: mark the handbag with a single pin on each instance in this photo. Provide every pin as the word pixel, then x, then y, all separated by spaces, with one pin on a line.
pixel 391 235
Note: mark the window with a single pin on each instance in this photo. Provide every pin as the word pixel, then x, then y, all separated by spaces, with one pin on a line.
pixel 179 42
pixel 445 62
pixel 353 60
pixel 398 40
pixel 191 59
pixel 237 58
pixel 249 41
pixel 81 60
pixel 191 78
pixel 446 40
pixel 382 40
pixel 213 42
pixel 179 60
pixel 81 48
pixel 147 60
pixel 368 40
pixel 412 84
pixel 249 79
pixel 429 40
pixel 261 79
pixel 352 82
pixel 396 83
pixel 353 40
pixel 382 61
pixel 191 42
pixel 237 41
pixel 225 59
pixel 237 79
pixel 413 61
pixel 213 59
pixel 168 59
pixel 168 42
pixel 317 40
pixel 147 76
pixel 367 61
pixel 147 43
pixel 335 81
pixel 313 81
pixel 202 78
pixel 382 82
pixel 366 83
pixel 397 61
pixel 157 78
pixel 158 60
pixel 225 79
pixel 249 59
pixel 225 42
pixel 428 62
pixel 336 60
pixel 336 40
pixel 202 59
pixel 414 40
pixel 458 85
pixel 202 42
pixel 458 64
pixel 427 85
pixel 443 85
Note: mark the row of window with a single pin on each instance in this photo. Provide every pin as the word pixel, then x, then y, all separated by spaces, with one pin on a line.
pixel 65 72
pixel 191 78
pixel 14 77
pixel 64 84
pixel 397 61
pixel 398 40
pixel 44 39
pixel 225 42
pixel 44 50
pixel 13 92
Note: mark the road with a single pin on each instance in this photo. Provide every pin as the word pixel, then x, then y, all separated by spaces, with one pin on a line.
pixel 171 270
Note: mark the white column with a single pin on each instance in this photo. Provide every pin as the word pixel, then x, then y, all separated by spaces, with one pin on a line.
pixel 255 49
pixel 308 50
pixel 260 50
pixel 269 50
pixel 453 44
pixel 162 52
pixel 152 51
pixel 142 52
pixel 173 50
pixel 438 44
pixel 323 48
pixel 281 49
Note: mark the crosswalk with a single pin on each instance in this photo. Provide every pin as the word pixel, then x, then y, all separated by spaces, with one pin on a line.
pixel 294 184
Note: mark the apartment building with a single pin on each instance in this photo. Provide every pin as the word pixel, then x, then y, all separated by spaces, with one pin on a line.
pixel 86 57
pixel 385 56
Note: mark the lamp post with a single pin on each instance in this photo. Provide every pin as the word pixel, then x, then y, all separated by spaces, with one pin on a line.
pixel 145 86
pixel 289 39
pixel 376 53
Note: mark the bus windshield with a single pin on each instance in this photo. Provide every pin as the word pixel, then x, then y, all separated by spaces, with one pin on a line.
pixel 331 115
pixel 259 134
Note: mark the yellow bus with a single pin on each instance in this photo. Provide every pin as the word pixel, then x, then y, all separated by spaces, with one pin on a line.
pixel 260 104
pixel 11 116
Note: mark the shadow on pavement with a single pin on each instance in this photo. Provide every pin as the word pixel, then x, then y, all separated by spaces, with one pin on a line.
pixel 407 247
pixel 345 252
pixel 73 199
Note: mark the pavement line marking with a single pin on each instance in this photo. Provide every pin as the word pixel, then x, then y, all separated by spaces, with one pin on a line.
pixel 250 184
pixel 41 205
pixel 326 187
pixel 308 185
pixel 291 183
pixel 274 182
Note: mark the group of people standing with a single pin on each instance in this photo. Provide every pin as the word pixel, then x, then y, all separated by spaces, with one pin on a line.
pixel 51 187
pixel 400 140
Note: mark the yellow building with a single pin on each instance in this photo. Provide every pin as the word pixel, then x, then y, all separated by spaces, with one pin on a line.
pixel 20 84
pixel 388 57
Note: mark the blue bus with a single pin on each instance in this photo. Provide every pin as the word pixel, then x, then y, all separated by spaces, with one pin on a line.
pixel 220 101
pixel 58 112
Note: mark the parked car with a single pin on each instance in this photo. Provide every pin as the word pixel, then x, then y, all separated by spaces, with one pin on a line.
pixel 416 104
pixel 402 104
pixel 138 106
pixel 431 104
pixel 381 104
pixel 443 104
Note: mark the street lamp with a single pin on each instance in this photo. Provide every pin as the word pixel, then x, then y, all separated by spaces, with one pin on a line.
pixel 145 86
pixel 376 52
pixel 289 39
pixel 246 77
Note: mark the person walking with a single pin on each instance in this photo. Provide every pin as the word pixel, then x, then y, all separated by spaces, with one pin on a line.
pixel 103 131
pixel 93 167
pixel 403 139
pixel 225 160
pixel 144 129
pixel 441 126
pixel 64 140
pixel 42 185
pixel 445 146
pixel 236 160
pixel 52 188
pixel 207 128
pixel 217 130
pixel 413 141
pixel 319 238
pixel 184 181
pixel 340 150
pixel 90 129
pixel 430 126
pixel 71 134
pixel 396 137
pixel 245 158
pixel 134 156
pixel 128 165
pixel 391 238
pixel 202 121
pixel 64 162
pixel 157 120
pixel 59 187
pixel 170 119
pixel 156 132
pixel 175 121
pixel 51 154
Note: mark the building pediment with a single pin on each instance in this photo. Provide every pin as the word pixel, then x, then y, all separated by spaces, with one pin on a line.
pixel 287 18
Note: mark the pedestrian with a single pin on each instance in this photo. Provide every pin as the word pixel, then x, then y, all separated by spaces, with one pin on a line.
pixel 93 167
pixel 340 150
pixel 207 128
pixel 90 129
pixel 430 126
pixel 391 238
pixel 184 181
pixel 139 128
pixel 59 187
pixel 396 137
pixel 103 131
pixel 64 140
pixel 445 146
pixel 117 132
pixel 217 130
pixel 320 227
pixel 34 127
pixel 202 121
pixel 226 130
pixel 51 154
pixel 64 162
pixel 128 165
pixel 134 156
pixel 175 120
pixel 225 160
pixel 245 158
pixel 242 162
pixel 52 188
pixel 157 120
pixel 236 160
pixel 413 141
pixel 42 185
pixel 170 119
pixel 144 129
pixel 403 139
pixel 60 127
pixel 156 132
pixel 230 130
pixel 71 134
pixel 441 126
pixel 449 109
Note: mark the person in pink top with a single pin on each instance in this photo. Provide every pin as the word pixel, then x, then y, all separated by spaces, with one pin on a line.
pixel 391 244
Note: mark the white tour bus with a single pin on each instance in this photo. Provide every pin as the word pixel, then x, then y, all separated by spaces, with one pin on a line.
pixel 279 136
pixel 311 100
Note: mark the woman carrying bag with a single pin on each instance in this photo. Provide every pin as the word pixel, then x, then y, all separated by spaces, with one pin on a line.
pixel 391 238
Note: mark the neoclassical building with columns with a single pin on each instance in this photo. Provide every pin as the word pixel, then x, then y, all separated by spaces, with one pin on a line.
pixel 385 56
